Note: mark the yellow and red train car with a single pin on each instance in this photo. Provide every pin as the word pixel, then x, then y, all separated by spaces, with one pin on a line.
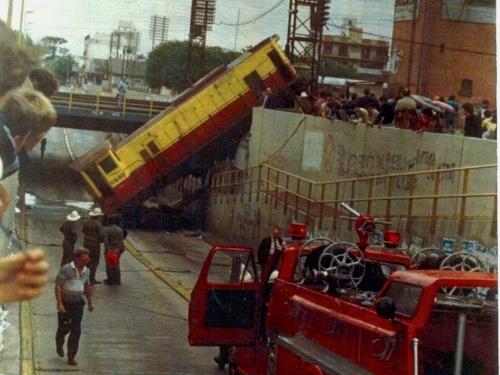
pixel 194 129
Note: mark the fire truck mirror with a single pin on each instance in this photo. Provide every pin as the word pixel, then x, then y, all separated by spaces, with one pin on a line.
pixel 386 308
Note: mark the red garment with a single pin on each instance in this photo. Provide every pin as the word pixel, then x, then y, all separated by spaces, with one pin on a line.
pixel 112 258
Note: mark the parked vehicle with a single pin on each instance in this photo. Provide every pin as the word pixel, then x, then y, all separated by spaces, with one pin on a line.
pixel 324 307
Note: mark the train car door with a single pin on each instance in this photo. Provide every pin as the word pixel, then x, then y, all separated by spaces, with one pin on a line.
pixel 224 303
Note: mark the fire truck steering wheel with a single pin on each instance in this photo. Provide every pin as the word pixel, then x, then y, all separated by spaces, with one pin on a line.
pixel 462 262
pixel 426 258
pixel 344 262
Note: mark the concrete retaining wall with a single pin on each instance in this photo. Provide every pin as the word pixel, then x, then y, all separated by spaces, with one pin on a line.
pixel 322 150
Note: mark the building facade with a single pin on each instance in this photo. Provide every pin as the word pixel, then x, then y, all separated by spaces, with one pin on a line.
pixel 368 58
pixel 354 50
pixel 445 47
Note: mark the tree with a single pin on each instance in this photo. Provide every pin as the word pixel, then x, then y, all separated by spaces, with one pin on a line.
pixel 333 69
pixel 51 45
pixel 101 66
pixel 62 67
pixel 167 65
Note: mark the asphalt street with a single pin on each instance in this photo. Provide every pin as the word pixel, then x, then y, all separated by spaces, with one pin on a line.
pixel 139 327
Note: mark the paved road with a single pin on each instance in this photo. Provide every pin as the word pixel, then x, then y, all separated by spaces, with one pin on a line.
pixel 139 327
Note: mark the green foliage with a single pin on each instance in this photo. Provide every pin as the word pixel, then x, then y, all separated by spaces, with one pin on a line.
pixel 333 69
pixel 168 65
pixel 61 67
pixel 101 66
pixel 51 45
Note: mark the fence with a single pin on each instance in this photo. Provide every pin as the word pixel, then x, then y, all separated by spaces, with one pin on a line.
pixel 465 197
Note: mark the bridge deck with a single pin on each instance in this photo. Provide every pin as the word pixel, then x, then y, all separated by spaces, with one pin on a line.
pixel 101 113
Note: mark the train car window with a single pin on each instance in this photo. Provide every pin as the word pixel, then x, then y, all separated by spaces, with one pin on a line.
pixel 255 83
pixel 98 180
pixel 145 155
pixel 153 148
pixel 108 165
pixel 274 56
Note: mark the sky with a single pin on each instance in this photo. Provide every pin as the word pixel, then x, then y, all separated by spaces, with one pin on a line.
pixel 74 19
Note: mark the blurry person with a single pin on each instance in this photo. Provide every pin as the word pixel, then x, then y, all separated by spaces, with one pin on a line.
pixel 22 275
pixel 43 146
pixel 26 117
pixel 489 125
pixel 69 229
pixel 113 249
pixel 16 60
pixel 265 95
pixel 43 80
pixel 472 126
pixel 122 90
pixel 93 236
pixel 268 246
pixel 72 282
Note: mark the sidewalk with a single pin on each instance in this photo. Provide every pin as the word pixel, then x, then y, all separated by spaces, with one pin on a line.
pixel 163 253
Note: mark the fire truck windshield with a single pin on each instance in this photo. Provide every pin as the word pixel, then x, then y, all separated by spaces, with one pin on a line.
pixel 405 297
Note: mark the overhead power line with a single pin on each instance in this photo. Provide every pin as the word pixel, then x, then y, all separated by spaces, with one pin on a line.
pixel 255 19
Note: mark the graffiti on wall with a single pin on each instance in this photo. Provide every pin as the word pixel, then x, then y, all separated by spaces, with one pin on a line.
pixel 348 164
pixel 247 218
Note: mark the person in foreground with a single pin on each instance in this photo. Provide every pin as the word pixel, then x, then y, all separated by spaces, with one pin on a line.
pixel 22 275
pixel 71 283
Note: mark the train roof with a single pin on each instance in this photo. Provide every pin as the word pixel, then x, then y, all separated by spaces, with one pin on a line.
pixel 90 157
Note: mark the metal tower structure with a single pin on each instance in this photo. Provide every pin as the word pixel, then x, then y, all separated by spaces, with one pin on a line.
pixel 158 29
pixel 202 19
pixel 306 21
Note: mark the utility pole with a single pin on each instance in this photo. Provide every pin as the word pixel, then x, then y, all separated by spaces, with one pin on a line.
pixel 237 26
pixel 202 19
pixel 306 21
pixel 158 29
pixel 9 13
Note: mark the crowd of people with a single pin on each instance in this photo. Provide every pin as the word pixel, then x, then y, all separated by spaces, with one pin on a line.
pixel 406 111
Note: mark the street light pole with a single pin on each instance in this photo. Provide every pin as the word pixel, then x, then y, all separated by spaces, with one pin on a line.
pixel 67 70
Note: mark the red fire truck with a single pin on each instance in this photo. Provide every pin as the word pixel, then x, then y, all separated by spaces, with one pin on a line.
pixel 322 307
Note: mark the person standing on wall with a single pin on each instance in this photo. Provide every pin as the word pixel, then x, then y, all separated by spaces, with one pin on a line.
pixel 93 236
pixel 122 90
pixel 72 282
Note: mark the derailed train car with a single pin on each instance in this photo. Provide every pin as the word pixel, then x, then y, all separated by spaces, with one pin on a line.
pixel 203 124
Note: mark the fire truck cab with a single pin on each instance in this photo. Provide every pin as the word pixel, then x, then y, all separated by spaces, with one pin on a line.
pixel 323 307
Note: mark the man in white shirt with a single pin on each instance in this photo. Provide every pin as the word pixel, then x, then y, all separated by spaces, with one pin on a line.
pixel 71 283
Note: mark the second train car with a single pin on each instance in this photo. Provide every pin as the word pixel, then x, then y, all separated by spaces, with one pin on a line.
pixel 194 129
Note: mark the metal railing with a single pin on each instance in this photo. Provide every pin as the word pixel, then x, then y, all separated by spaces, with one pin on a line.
pixel 445 194
pixel 149 108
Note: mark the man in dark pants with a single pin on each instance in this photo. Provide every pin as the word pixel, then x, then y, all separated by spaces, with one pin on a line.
pixel 43 146
pixel 114 243
pixel 69 229
pixel 71 282
pixel 93 236
pixel 268 245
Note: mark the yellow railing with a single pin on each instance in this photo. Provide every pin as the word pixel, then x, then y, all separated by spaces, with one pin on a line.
pixel 444 194
pixel 100 102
